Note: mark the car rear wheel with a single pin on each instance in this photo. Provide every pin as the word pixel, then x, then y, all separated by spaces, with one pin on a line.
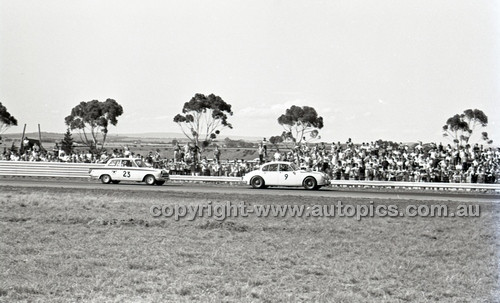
pixel 310 183
pixel 160 182
pixel 106 179
pixel 257 182
pixel 150 180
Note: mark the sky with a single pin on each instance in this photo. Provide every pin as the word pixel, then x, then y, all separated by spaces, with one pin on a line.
pixel 388 69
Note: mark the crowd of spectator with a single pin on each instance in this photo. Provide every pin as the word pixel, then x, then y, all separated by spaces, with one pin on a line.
pixel 379 161
pixel 383 161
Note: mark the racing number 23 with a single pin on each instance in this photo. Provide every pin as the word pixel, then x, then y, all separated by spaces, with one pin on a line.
pixel 126 174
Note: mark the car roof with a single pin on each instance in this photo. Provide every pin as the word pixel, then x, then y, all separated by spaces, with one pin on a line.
pixel 277 162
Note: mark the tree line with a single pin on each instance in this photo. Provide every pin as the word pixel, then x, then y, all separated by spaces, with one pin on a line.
pixel 204 117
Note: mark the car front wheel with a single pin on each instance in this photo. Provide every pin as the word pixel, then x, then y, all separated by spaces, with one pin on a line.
pixel 150 180
pixel 257 182
pixel 310 183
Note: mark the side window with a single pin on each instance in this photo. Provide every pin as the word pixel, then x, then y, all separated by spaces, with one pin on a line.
pixel 285 167
pixel 126 163
pixel 113 163
pixel 270 167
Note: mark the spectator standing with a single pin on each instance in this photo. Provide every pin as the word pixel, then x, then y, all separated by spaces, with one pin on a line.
pixel 261 153
pixel 217 154
pixel 188 152
pixel 177 150
pixel 126 153
pixel 277 155
pixel 264 145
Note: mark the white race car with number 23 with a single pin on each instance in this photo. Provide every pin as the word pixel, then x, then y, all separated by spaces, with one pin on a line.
pixel 282 173
pixel 128 169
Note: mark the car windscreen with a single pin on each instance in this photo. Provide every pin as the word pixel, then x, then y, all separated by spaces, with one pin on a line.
pixel 140 163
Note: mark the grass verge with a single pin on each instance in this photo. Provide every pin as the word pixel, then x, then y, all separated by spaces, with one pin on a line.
pixel 62 245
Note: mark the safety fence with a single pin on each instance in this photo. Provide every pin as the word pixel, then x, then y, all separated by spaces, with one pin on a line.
pixel 46 169
pixel 81 170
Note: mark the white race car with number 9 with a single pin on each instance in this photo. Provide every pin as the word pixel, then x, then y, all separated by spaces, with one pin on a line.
pixel 282 173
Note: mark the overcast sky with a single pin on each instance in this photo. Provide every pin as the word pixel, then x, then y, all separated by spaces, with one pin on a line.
pixel 373 69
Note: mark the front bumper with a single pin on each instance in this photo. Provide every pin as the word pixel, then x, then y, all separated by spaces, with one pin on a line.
pixel 165 176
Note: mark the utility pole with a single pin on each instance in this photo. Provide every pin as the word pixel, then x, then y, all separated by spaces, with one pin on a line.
pixel 21 149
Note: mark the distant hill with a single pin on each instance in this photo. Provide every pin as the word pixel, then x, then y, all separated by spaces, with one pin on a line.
pixel 161 135
pixel 152 137
pixel 169 135
pixel 46 136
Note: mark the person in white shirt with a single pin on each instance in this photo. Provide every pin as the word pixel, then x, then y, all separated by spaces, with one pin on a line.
pixel 277 155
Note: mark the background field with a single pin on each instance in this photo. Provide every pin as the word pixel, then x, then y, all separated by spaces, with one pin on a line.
pixel 63 245
pixel 144 143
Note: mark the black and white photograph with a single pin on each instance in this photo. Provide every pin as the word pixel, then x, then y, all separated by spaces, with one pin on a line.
pixel 250 151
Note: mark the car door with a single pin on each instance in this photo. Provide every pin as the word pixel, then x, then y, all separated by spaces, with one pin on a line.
pixel 126 172
pixel 270 174
pixel 287 176
pixel 137 173
pixel 114 169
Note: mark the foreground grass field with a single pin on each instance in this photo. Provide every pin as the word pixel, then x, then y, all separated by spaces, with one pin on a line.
pixel 60 245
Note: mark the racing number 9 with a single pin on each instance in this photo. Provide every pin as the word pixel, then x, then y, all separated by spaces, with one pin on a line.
pixel 286 176
pixel 126 174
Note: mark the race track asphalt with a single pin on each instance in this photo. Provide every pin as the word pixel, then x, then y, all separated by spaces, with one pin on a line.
pixel 243 189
